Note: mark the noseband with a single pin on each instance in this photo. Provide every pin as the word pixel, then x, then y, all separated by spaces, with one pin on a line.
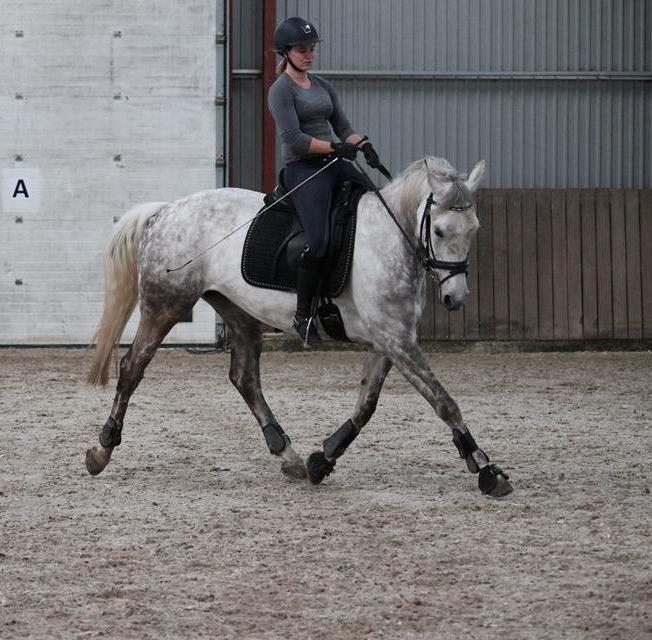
pixel 427 251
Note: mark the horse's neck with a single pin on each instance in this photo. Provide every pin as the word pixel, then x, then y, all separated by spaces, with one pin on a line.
pixel 406 207
pixel 386 236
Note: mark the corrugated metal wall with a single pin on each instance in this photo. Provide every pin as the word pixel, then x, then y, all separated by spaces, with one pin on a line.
pixel 553 94
pixel 247 100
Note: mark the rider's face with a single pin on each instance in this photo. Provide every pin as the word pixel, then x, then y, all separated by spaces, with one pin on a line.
pixel 303 56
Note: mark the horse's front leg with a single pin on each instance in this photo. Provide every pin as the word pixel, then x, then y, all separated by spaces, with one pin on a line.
pixel 321 463
pixel 412 363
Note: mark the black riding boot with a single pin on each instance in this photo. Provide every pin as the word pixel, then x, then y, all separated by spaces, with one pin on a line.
pixel 307 283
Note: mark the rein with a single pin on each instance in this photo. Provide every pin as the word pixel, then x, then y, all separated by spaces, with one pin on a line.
pixel 425 252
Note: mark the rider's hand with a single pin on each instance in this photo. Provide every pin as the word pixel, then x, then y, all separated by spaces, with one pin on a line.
pixel 344 150
pixel 370 155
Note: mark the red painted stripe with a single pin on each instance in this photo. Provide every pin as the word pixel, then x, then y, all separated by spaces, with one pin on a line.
pixel 229 80
pixel 269 75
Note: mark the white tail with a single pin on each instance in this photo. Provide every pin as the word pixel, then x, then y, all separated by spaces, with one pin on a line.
pixel 120 288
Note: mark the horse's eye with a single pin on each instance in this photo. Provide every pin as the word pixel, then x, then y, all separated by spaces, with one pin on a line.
pixel 438 232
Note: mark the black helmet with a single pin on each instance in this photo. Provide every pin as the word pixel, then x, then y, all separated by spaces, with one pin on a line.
pixel 294 31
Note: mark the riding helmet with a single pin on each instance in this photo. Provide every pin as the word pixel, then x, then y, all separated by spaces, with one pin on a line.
pixel 294 31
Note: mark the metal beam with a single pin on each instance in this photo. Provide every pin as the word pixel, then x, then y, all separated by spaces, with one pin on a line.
pixel 247 73
pixel 485 75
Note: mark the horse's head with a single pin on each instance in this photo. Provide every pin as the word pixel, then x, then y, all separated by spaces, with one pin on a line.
pixel 451 227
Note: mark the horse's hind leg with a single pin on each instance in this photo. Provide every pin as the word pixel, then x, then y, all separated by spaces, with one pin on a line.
pixel 321 463
pixel 245 333
pixel 151 332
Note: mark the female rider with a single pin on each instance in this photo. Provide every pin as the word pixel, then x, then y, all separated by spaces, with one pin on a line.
pixel 305 107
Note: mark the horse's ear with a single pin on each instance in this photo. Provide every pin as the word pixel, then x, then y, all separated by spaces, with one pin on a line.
pixel 429 176
pixel 476 176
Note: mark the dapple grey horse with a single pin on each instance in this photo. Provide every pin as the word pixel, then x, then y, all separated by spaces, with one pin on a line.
pixel 381 307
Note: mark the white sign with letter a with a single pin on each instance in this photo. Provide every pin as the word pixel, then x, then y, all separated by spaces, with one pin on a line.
pixel 21 190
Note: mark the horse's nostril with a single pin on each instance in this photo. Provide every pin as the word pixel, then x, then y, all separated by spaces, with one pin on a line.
pixel 447 300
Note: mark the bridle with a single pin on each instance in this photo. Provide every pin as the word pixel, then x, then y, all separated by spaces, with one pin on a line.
pixel 428 258
pixel 424 251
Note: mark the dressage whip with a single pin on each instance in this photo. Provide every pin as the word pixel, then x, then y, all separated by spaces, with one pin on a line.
pixel 244 224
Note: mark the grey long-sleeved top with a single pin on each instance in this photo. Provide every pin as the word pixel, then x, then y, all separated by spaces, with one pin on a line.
pixel 302 114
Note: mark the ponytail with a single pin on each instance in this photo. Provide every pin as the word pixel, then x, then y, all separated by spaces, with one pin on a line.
pixel 282 66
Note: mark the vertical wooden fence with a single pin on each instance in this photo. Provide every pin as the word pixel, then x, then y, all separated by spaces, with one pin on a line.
pixel 555 265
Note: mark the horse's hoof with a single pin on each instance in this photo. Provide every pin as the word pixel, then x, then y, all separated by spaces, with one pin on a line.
pixel 318 467
pixel 294 469
pixel 95 461
pixel 494 482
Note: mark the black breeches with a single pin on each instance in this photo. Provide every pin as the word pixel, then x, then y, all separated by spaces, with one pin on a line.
pixel 313 200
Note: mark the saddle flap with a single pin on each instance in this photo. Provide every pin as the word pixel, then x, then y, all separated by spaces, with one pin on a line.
pixel 275 240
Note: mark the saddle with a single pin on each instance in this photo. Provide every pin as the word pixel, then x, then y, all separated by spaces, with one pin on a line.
pixel 275 240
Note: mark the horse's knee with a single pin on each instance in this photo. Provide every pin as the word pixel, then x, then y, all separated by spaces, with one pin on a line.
pixel 449 412
pixel 239 380
pixel 242 380
pixel 124 362
pixel 132 370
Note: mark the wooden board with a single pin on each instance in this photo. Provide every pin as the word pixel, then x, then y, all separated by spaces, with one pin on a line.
pixel 589 268
pixel 530 274
pixel 633 244
pixel 427 327
pixel 471 317
pixel 500 265
pixel 486 268
pixel 574 264
pixel 646 260
pixel 603 263
pixel 442 314
pixel 515 263
pixel 559 264
pixel 544 265
pixel 619 273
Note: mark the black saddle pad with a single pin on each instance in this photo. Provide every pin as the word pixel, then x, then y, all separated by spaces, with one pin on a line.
pixel 275 240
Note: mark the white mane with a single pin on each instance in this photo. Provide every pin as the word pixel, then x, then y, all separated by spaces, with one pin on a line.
pixel 422 177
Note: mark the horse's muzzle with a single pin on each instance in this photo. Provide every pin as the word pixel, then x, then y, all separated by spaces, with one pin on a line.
pixel 451 304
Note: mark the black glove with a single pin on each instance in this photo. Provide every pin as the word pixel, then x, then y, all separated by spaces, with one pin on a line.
pixel 370 155
pixel 344 150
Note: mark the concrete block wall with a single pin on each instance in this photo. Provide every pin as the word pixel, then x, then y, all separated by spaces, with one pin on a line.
pixel 103 104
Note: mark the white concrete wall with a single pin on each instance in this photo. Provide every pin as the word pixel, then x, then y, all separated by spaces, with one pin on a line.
pixel 103 104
